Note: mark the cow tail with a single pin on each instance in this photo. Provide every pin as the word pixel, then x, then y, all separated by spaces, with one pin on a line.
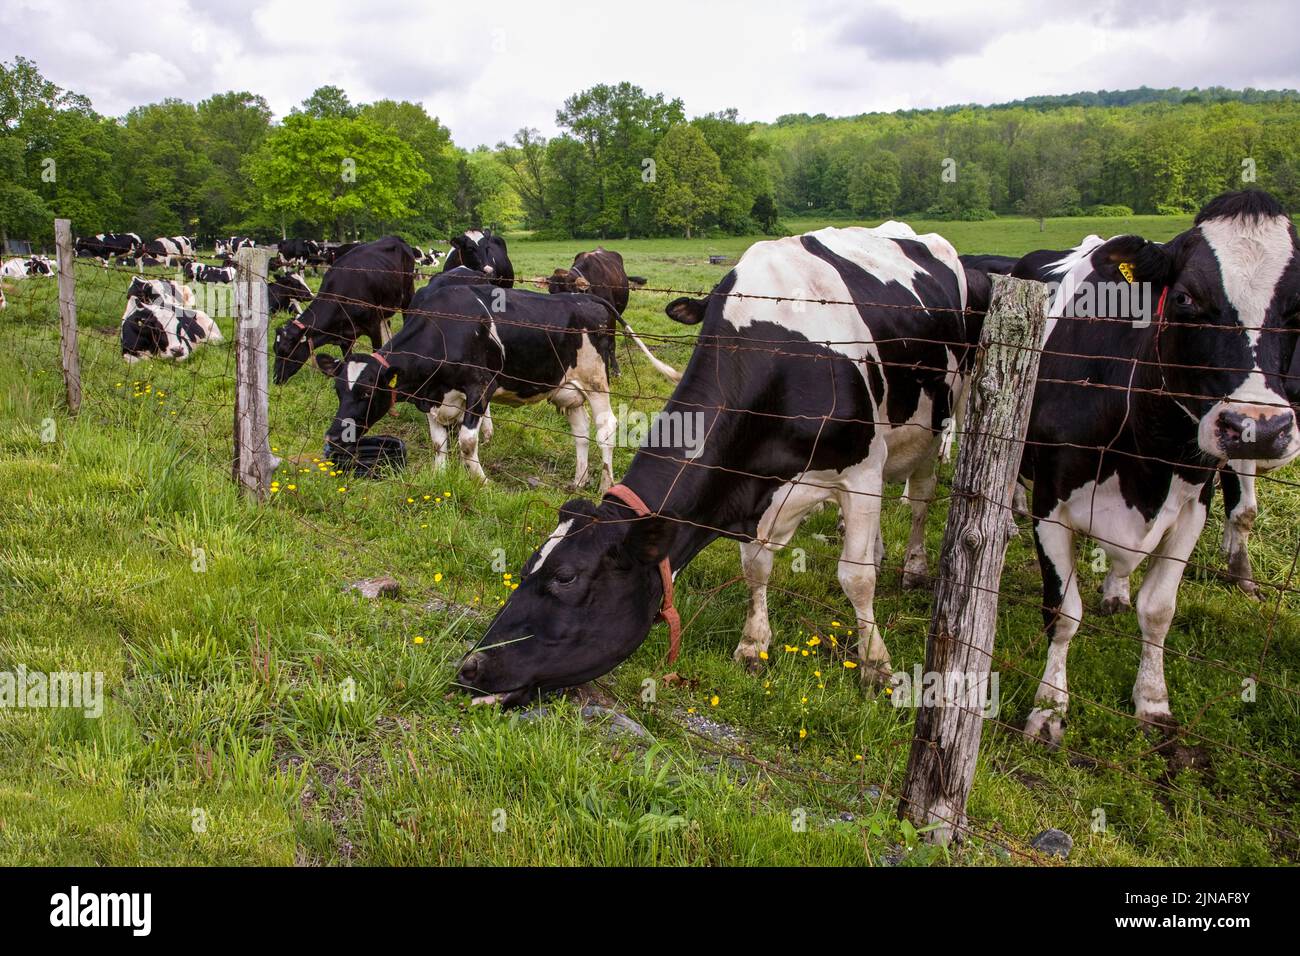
pixel 663 368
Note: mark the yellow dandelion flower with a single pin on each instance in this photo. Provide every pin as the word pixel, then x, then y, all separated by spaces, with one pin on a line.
pixel 817 673
pixel 427 497
pixel 850 664
pixel 762 655
pixel 410 501
pixel 293 487
pixel 437 577
pixel 803 732
pixel 690 710
pixel 857 756
pixel 343 489
pixel 813 641
pixel 713 701
pixel 804 653
pixel 419 640
pixel 790 650
pixel 836 624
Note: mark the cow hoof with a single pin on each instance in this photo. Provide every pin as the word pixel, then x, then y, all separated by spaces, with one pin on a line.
pixel 748 656
pixel 915 580
pixel 1046 726
pixel 877 677
pixel 1113 605
pixel 1158 723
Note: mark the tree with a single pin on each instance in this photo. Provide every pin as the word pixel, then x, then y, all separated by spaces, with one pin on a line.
pixel 434 211
pixel 328 102
pixel 525 161
pixel 1045 196
pixel 689 186
pixel 336 172
pixel 764 212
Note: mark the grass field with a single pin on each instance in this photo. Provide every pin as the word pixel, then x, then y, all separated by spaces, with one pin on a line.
pixel 231 733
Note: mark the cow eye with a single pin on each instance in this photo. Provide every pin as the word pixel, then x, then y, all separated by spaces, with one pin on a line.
pixel 1183 300
pixel 565 576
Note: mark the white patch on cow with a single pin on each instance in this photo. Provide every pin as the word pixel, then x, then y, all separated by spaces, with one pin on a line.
pixel 1069 271
pixel 353 372
pixel 1253 254
pixel 14 269
pixel 558 535
pixel 474 235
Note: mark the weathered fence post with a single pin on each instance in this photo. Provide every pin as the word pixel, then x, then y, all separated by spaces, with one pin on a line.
pixel 959 650
pixel 71 358
pixel 253 463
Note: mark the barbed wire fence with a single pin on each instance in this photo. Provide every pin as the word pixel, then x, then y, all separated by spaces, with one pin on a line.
pixel 991 436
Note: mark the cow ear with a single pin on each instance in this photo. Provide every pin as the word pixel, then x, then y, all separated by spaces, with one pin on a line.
pixel 581 284
pixel 687 311
pixel 648 539
pixel 1131 259
pixel 327 363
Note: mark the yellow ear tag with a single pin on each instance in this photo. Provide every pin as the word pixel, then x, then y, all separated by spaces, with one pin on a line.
pixel 393 382
pixel 1126 270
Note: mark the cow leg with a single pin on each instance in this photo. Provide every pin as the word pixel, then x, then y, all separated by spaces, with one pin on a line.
pixel 438 436
pixel 860 506
pixel 776 527
pixel 469 435
pixel 1156 602
pixel 485 429
pixel 1240 508
pixel 919 492
pixel 1062 612
pixel 606 429
pixel 578 424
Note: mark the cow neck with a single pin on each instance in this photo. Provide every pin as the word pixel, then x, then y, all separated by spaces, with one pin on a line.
pixel 671 487
pixel 667 611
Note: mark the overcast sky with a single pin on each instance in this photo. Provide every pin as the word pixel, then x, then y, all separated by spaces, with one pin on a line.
pixel 487 69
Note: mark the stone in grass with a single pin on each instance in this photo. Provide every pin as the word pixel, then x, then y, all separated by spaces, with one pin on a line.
pixel 1053 842
pixel 383 586
pixel 613 721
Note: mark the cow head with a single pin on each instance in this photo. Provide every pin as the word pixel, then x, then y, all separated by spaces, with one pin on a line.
pixel 473 253
pixel 565 280
pixel 1224 340
pixel 142 334
pixel 366 391
pixel 292 349
pixel 586 601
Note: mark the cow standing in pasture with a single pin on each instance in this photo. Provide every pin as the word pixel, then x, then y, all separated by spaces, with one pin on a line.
pixel 1142 396
pixel 601 273
pixel 358 295
pixel 286 293
pixel 798 403
pixel 198 272
pixel 464 344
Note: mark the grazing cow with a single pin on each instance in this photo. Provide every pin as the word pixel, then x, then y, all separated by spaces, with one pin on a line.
pixel 482 252
pixel 298 250
pixel 107 245
pixel 1161 363
pixel 160 321
pixel 796 403
pixel 286 293
pixel 463 346
pixel 358 295
pixel 198 272
pixel 165 248
pixel 228 247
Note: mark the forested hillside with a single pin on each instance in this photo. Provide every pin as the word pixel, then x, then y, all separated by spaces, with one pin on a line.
pixel 626 162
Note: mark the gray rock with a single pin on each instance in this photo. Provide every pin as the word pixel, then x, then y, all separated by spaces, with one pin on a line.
pixel 615 723
pixel 1053 842
pixel 383 586
pixel 533 483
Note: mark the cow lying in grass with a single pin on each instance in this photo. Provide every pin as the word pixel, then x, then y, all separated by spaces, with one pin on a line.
pixel 800 403
pixel 465 344
pixel 160 321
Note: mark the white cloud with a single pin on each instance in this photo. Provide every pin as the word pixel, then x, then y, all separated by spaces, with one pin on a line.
pixel 487 70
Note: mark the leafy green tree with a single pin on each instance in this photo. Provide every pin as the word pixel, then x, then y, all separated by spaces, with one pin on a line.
pixel 689 186
pixel 328 102
pixel 336 172
pixel 433 209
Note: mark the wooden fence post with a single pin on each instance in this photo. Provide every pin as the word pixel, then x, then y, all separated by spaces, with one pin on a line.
pixel 959 650
pixel 69 354
pixel 253 462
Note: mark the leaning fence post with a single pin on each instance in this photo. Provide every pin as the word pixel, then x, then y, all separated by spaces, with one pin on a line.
pixel 959 650
pixel 253 464
pixel 71 359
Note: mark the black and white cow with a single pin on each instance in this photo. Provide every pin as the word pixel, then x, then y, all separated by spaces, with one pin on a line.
pixel 286 293
pixel 1161 362
pixel 483 252
pixel 465 344
pixel 796 403
pixel 160 320
pixel 198 272
pixel 358 295
pixel 106 245
pixel 228 247
pixel 299 250
pixel 167 248
pixel 429 258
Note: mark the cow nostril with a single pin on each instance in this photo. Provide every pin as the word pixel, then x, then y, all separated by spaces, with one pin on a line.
pixel 469 670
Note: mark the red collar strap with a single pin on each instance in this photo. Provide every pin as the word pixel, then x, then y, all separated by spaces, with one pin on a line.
pixel 379 357
pixel 298 323
pixel 667 613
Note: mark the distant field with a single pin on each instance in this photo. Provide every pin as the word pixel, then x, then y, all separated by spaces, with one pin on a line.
pixel 225 682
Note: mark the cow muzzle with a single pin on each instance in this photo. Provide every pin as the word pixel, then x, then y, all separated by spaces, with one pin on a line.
pixel 1258 432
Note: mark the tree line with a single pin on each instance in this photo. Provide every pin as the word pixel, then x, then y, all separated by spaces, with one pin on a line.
pixel 625 162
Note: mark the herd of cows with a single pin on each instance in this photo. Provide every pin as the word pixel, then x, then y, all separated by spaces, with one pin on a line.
pixel 827 364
